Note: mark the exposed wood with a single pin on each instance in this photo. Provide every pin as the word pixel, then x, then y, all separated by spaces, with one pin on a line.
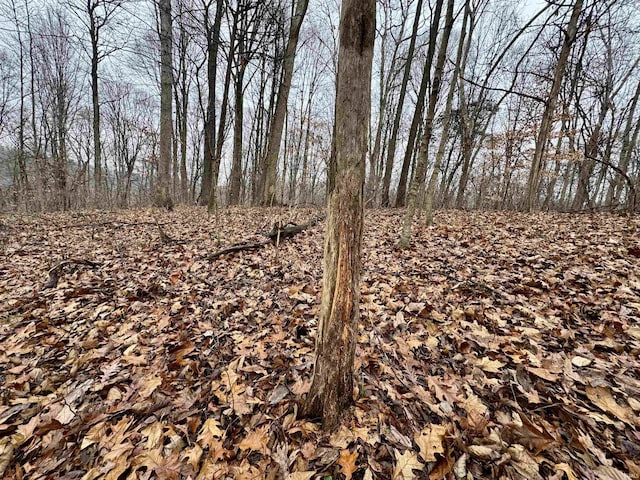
pixel 331 389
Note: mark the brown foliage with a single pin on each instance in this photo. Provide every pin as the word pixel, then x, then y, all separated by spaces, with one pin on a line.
pixel 500 345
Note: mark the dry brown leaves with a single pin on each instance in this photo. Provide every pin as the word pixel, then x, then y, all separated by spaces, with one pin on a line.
pixel 500 345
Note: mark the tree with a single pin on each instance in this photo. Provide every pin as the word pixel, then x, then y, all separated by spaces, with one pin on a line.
pixel 212 33
pixel 98 14
pixel 550 105
pixel 391 149
pixel 423 153
pixel 275 132
pixel 163 195
pixel 444 136
pixel 417 115
pixel 332 385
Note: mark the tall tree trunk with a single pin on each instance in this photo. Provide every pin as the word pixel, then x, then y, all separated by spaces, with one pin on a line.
pixel 550 106
pixel 417 116
pixel 391 149
pixel 213 41
pixel 615 189
pixel 275 131
pixel 97 150
pixel 423 154
pixel 466 125
pixel 332 385
pixel 163 196
pixel 235 177
pixel 22 164
pixel 444 138
pixel 215 165
pixel 586 167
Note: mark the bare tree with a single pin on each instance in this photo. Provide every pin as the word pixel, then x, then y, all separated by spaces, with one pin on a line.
pixel 332 385
pixel 163 186
pixel 269 168
pixel 550 105
pixel 421 167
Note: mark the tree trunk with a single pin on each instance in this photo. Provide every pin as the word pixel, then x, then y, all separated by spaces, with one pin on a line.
pixel 615 189
pixel 163 197
pixel 423 153
pixel 417 116
pixel 235 177
pixel 215 166
pixel 332 385
pixel 275 132
pixel 391 149
pixel 431 187
pixel 213 41
pixel 550 106
pixel 97 150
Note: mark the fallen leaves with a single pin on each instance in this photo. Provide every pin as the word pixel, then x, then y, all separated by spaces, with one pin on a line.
pixel 347 462
pixel 406 463
pixel 430 441
pixel 502 345
pixel 601 397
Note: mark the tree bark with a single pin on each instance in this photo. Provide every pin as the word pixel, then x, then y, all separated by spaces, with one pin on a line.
pixel 423 153
pixel 615 189
pixel 332 385
pixel 163 196
pixel 431 187
pixel 95 100
pixel 417 116
pixel 550 106
pixel 215 167
pixel 275 132
pixel 213 41
pixel 235 177
pixel 391 149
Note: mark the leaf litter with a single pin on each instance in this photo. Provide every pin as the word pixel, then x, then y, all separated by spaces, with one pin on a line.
pixel 501 345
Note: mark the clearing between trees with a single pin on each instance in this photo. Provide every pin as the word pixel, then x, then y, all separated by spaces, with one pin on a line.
pixel 498 345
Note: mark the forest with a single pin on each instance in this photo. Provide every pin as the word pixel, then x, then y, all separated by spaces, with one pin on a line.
pixel 319 239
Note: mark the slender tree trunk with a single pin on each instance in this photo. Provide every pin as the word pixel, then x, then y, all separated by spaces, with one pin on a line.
pixel 213 41
pixel 444 138
pixel 423 154
pixel 215 166
pixel 615 189
pixel 550 106
pixel 275 130
pixel 235 178
pixel 332 385
pixel 163 196
pixel 22 164
pixel 391 149
pixel 466 126
pixel 417 115
pixel 586 167
pixel 97 148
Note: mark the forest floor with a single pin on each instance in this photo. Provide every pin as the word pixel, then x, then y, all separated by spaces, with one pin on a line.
pixel 501 345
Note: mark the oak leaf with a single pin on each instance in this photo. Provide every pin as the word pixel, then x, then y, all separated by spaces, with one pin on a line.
pixel 406 463
pixel 347 462
pixel 429 441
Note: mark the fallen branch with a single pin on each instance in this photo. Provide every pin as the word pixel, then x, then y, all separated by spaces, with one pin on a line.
pixel 114 223
pixel 278 233
pixel 238 247
pixel 56 270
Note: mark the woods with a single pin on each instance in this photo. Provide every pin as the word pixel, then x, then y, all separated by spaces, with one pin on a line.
pixel 304 239
pixel 535 109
